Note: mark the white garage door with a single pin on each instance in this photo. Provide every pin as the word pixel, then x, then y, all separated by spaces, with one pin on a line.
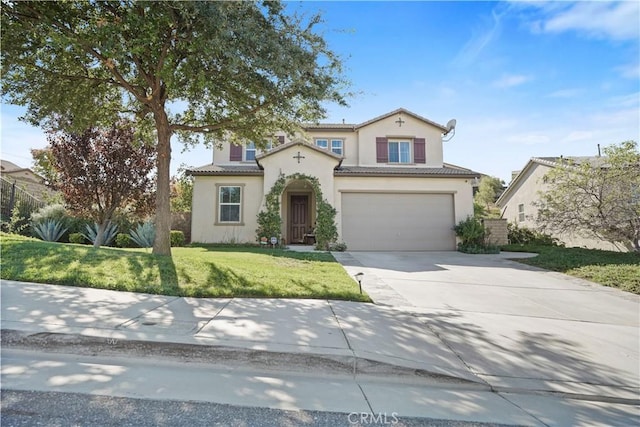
pixel 398 222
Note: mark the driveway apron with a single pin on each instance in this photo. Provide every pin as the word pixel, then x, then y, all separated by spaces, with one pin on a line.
pixel 516 326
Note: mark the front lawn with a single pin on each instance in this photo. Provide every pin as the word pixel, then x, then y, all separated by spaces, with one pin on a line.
pixel 197 271
pixel 615 269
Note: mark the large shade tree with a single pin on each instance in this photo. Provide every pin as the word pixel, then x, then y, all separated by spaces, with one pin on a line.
pixel 597 197
pixel 201 70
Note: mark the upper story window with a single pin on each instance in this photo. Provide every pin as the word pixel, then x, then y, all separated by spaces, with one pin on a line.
pixel 334 145
pixel 250 151
pixel 322 143
pixel 399 152
pixel 337 146
pixel 521 212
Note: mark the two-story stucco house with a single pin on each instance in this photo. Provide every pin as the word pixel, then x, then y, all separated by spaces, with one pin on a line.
pixel 385 177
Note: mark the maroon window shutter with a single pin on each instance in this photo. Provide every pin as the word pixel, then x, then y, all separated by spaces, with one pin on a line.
pixel 236 153
pixel 281 139
pixel 382 150
pixel 419 153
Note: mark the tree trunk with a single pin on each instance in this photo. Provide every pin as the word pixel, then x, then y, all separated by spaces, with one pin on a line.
pixel 100 234
pixel 162 243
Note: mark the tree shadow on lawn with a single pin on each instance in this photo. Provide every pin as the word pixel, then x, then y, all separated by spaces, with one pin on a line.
pixel 259 250
pixel 62 264
pixel 225 282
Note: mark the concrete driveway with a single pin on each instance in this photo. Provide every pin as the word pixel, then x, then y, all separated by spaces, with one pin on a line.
pixel 515 326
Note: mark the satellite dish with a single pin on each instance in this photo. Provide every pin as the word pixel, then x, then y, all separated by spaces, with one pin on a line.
pixel 451 125
pixel 451 129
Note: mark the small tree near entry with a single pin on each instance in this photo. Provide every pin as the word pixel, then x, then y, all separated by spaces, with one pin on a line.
pixel 489 190
pixel 101 171
pixel 235 69
pixel 598 198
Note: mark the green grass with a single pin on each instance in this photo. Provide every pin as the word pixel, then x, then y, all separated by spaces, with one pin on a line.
pixel 197 271
pixel 615 269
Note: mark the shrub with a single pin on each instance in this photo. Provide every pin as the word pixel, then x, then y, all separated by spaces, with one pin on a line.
pixel 55 212
pixel 123 240
pixel 326 230
pixel 77 238
pixel 144 234
pixel 50 230
pixel 177 238
pixel 338 247
pixel 18 223
pixel 478 249
pixel 471 231
pixel 474 237
pixel 110 232
pixel 59 213
pixel 525 236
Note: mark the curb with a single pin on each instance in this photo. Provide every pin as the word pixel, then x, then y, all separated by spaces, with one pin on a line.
pixel 231 357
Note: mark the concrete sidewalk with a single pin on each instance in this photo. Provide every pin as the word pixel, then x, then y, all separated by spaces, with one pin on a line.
pixel 319 355
pixel 372 339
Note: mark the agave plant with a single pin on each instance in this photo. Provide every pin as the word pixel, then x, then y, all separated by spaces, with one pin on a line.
pixel 144 234
pixel 50 230
pixel 110 232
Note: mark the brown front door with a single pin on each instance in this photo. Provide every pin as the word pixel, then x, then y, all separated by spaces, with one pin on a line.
pixel 299 220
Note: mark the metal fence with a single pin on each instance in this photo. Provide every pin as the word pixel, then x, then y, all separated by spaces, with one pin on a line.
pixel 11 194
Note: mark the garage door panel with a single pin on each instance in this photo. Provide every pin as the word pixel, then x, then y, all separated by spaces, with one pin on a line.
pixel 405 221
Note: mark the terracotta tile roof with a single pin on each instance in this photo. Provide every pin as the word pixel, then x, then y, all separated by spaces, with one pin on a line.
pixel 329 126
pixel 251 169
pixel 444 172
pixel 244 169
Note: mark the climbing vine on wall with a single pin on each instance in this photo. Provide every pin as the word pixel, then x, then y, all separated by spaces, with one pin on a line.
pixel 270 222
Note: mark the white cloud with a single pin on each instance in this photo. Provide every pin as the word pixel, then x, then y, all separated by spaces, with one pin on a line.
pixel 623 101
pixel 511 80
pixel 617 20
pixel 630 71
pixel 480 39
pixel 533 138
pixel 578 136
pixel 566 93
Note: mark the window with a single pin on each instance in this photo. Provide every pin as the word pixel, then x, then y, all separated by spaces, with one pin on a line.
pixel 520 213
pixel 229 203
pixel 399 152
pixel 336 146
pixel 250 152
pixel 322 143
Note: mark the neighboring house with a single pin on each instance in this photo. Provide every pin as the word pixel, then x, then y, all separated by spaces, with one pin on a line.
pixel 26 180
pixel 385 177
pixel 24 186
pixel 517 203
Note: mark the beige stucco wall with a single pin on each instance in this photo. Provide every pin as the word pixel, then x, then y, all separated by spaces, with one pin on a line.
pixel 204 201
pixel 460 188
pixel 360 145
pixel 314 164
pixel 412 128
pixel 222 151
pixel 203 227
pixel 527 192
pixel 350 144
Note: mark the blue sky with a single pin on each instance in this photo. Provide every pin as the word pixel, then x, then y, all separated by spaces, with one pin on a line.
pixel 522 79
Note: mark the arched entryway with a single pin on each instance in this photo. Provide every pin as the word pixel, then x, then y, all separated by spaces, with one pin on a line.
pixel 299 212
